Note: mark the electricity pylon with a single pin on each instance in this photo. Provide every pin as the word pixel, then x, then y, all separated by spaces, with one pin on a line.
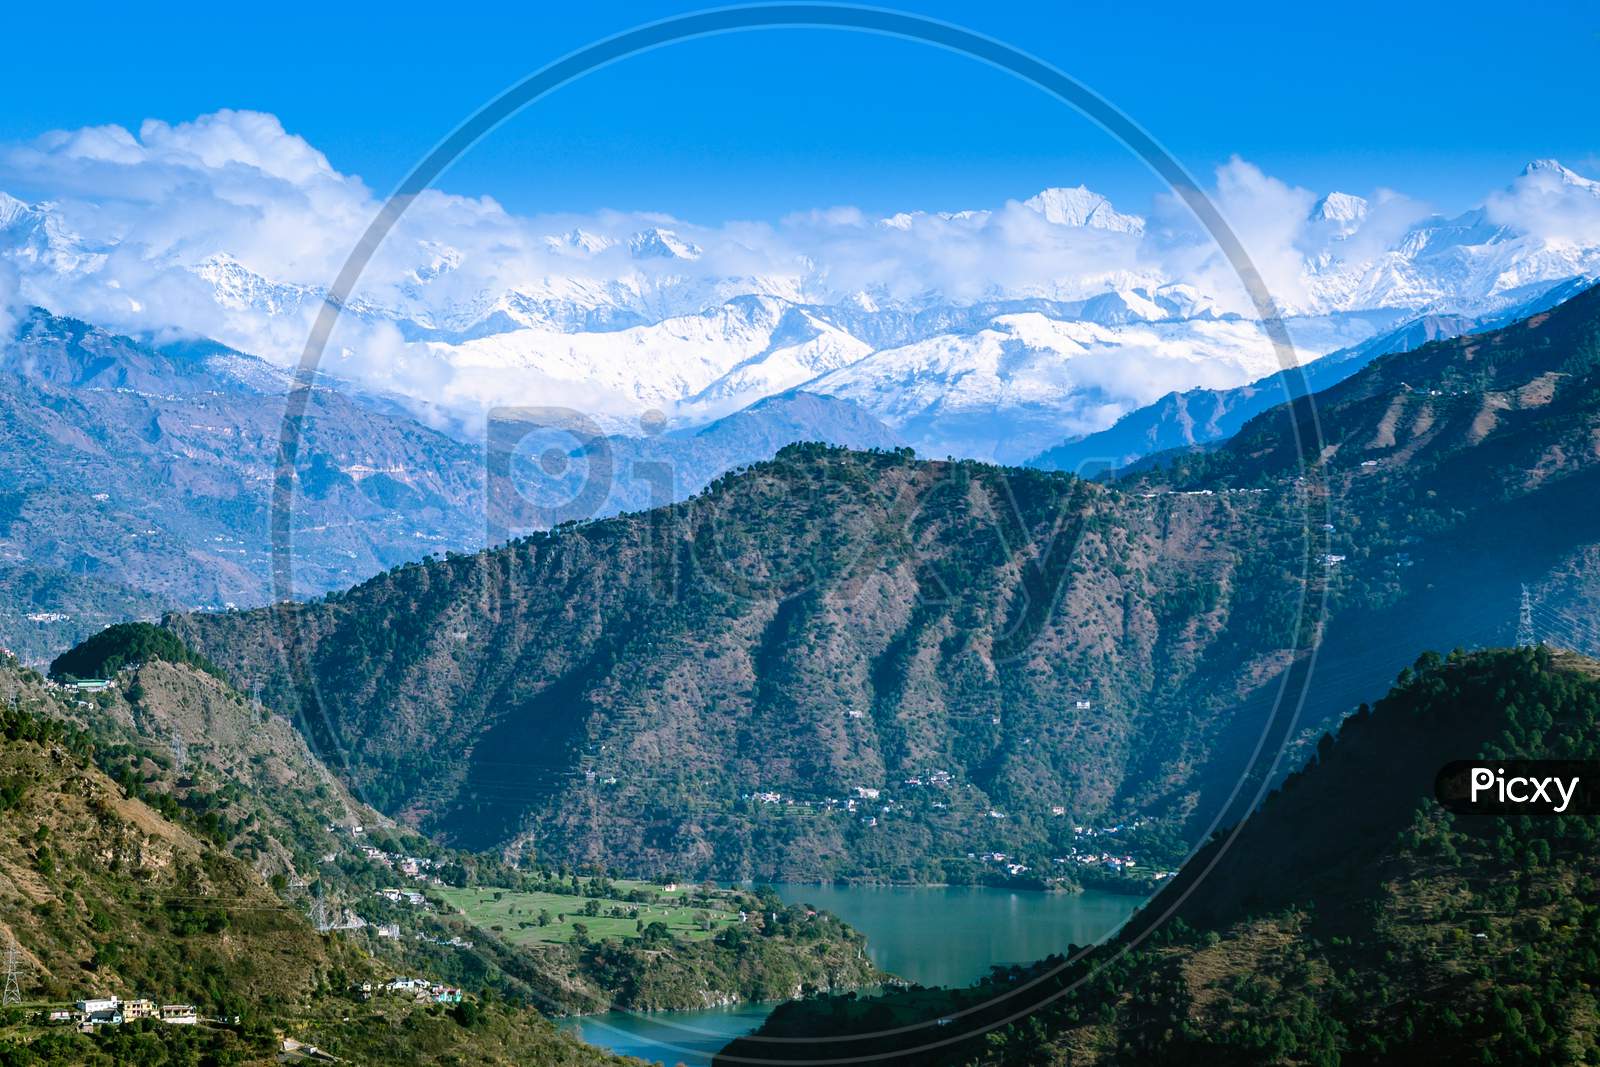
pixel 1525 638
pixel 12 994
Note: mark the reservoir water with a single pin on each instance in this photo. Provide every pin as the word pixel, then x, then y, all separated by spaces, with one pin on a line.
pixel 934 935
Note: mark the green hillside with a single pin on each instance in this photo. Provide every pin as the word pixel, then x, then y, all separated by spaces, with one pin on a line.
pixel 1351 920
pixel 122 876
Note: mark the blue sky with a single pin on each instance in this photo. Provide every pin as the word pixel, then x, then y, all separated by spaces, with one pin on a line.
pixel 1440 101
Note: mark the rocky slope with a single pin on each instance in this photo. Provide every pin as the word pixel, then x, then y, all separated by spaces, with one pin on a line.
pixel 191 743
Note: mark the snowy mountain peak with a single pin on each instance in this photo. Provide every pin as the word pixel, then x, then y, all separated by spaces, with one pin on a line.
pixel 656 243
pixel 904 220
pixel 1082 207
pixel 442 259
pixel 1339 214
pixel 36 236
pixel 580 241
pixel 11 210
pixel 1340 207
pixel 238 288
pixel 1551 168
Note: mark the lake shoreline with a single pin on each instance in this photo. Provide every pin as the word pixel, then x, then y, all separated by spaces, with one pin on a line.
pixel 979 927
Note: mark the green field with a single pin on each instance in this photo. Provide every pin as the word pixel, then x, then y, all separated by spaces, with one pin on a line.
pixel 514 916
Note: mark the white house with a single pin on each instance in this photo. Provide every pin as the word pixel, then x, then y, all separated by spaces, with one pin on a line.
pixel 179 1014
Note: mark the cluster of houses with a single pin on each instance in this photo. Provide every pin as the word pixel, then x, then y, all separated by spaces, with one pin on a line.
pixel 1110 831
pixel 418 867
pixel 1001 859
pixel 419 989
pixel 113 1011
pixel 48 616
pixel 1099 859
pixel 1105 860
pixel 1204 492
pixel 410 866
pixel 405 896
pixel 1088 853
pixel 937 779
pixel 83 685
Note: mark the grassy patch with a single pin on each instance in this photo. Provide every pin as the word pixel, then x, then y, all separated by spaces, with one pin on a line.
pixel 515 916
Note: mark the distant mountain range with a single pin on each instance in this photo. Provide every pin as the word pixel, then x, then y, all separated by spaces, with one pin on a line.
pixel 1070 315
pixel 634 360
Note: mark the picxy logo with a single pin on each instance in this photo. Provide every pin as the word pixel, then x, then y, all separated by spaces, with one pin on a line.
pixel 1522 787
pixel 1523 790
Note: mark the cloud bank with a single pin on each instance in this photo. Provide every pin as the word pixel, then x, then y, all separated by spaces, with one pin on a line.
pixel 231 227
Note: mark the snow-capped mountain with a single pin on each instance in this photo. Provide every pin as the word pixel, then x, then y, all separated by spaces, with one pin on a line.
pixel 993 332
pixel 1081 207
pixel 656 243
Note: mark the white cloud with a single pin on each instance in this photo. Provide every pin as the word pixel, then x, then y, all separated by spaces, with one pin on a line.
pixel 230 226
pixel 1552 203
pixel 1270 218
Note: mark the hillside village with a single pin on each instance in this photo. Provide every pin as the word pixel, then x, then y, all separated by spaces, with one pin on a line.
pixel 90 1012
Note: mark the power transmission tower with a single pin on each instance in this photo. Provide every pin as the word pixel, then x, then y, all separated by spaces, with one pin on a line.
pixel 13 988
pixel 180 751
pixel 319 915
pixel 1525 638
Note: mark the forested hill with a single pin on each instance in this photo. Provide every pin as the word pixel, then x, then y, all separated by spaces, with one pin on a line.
pixel 833 663
pixel 962 651
pixel 1351 920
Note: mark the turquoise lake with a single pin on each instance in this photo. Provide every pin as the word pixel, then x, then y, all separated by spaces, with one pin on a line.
pixel 934 935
